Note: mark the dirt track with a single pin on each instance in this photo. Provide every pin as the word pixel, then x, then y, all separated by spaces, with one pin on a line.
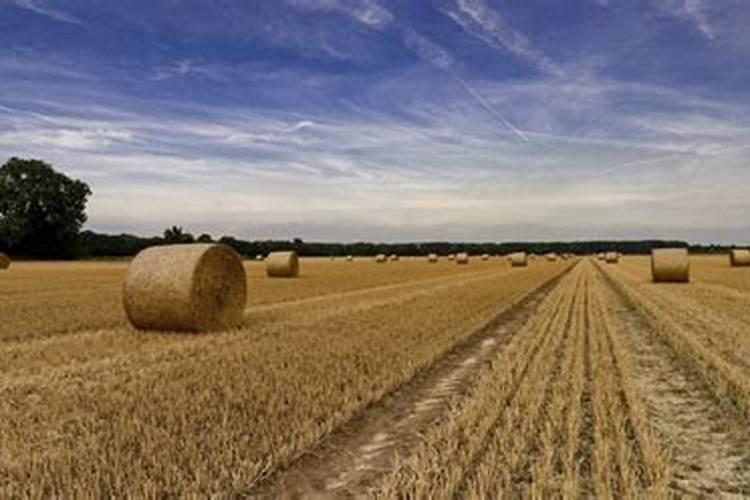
pixel 580 390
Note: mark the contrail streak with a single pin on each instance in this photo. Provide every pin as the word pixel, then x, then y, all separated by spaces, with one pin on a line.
pixel 486 106
pixel 625 166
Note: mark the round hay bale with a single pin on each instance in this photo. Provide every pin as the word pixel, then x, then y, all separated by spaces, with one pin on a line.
pixel 451 257
pixel 192 288
pixel 350 258
pixel 486 256
pixel 519 259
pixel 432 258
pixel 393 257
pixel 259 257
pixel 4 262
pixel 670 265
pixel 462 258
pixel 737 258
pixel 282 265
pixel 612 258
pixel 601 256
pixel 551 257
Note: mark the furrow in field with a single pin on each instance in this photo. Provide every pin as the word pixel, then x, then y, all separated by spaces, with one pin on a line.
pixel 697 343
pixel 350 460
pixel 709 452
pixel 460 451
pixel 628 461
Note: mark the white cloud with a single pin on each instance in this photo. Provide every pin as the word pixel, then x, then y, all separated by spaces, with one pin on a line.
pixel 481 21
pixel 693 11
pixel 367 12
pixel 39 7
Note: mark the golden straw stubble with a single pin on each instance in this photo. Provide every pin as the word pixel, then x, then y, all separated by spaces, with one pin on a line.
pixel 191 288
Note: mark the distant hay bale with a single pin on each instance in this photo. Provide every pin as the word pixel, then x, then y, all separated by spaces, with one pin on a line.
pixel 350 258
pixel 193 288
pixel 737 258
pixel 394 257
pixel 462 258
pixel 282 265
pixel 4 262
pixel 612 258
pixel 259 257
pixel 670 265
pixel 451 257
pixel 432 258
pixel 601 256
pixel 519 259
pixel 381 258
pixel 551 257
pixel 486 256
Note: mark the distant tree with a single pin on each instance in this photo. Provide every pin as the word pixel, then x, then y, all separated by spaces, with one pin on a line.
pixel 205 238
pixel 176 235
pixel 41 210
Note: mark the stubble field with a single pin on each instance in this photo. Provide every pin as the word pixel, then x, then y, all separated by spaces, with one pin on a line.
pixel 567 379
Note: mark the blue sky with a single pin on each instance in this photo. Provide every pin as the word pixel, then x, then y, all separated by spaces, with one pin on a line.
pixel 389 120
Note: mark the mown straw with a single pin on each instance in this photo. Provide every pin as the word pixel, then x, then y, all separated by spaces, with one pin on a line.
pixel 195 288
pixel 282 265
pixel 739 258
pixel 670 265
pixel 519 259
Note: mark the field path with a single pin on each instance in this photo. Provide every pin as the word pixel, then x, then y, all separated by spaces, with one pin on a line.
pixel 709 443
pixel 348 461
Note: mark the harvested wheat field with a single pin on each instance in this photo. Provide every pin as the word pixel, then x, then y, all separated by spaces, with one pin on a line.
pixel 408 379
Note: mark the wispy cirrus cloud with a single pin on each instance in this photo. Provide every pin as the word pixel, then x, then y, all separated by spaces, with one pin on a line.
pixel 367 12
pixel 481 21
pixel 42 8
pixel 692 11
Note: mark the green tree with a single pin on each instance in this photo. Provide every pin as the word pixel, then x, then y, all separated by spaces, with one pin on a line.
pixel 175 234
pixel 41 210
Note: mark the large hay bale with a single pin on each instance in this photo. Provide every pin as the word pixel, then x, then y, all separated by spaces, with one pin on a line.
pixel 350 258
pixel 670 265
pixel 381 258
pixel 195 288
pixel 282 265
pixel 394 257
pixel 4 262
pixel 485 256
pixel 432 258
pixel 551 257
pixel 612 258
pixel 739 258
pixel 462 258
pixel 519 259
pixel 451 257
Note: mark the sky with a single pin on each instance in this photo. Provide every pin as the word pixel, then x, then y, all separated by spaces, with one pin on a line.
pixel 389 120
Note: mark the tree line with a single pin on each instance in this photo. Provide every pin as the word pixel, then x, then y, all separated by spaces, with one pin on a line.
pixel 42 212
